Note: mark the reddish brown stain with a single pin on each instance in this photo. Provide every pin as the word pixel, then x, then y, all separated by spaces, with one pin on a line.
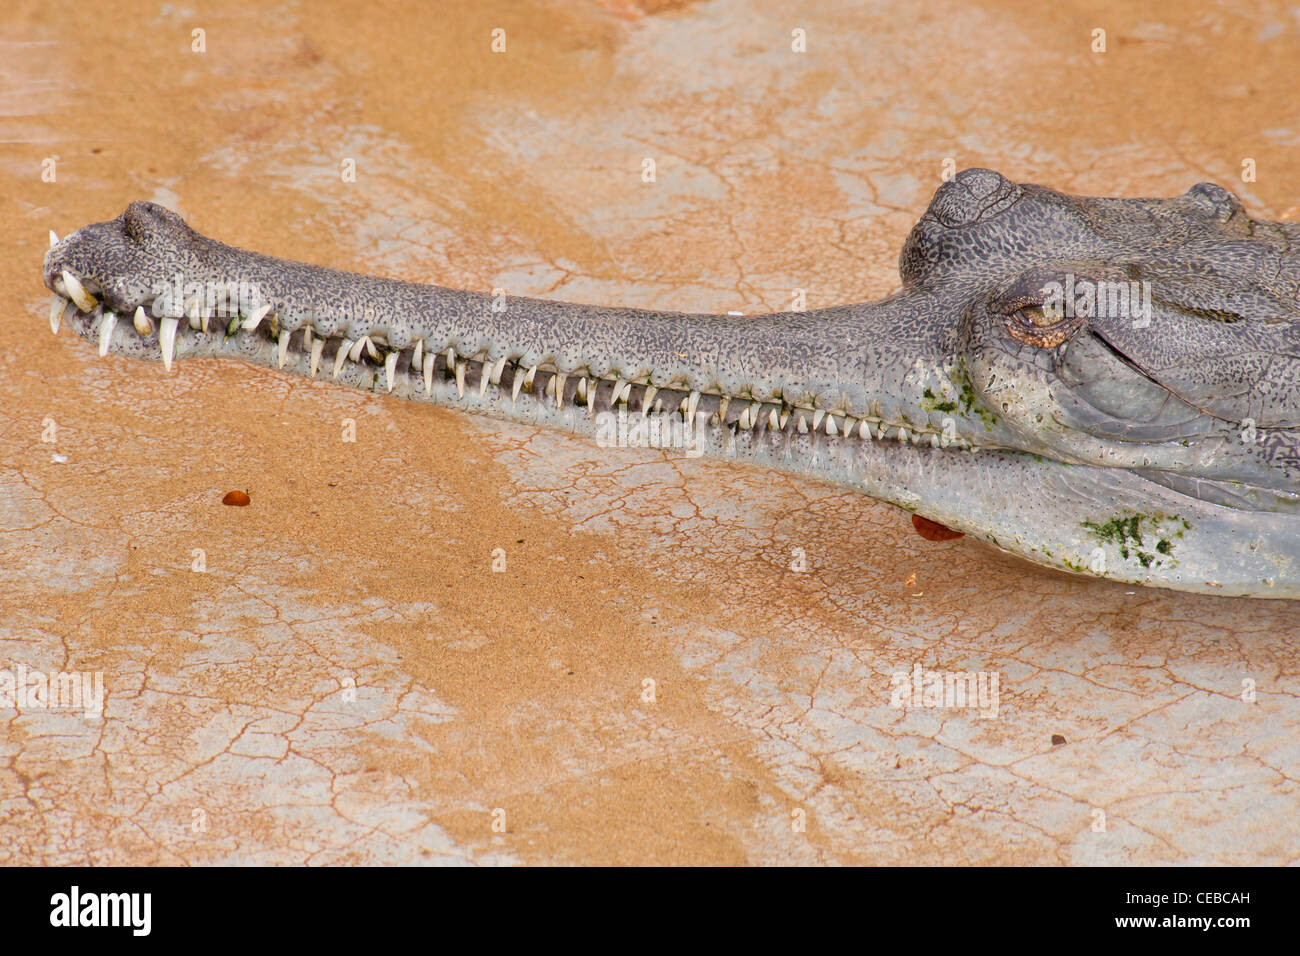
pixel 237 498
pixel 933 531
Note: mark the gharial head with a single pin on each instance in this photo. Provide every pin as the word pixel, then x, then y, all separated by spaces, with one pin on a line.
pixel 1158 335
pixel 1140 353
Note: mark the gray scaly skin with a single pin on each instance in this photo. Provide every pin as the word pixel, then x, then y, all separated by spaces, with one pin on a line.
pixel 1162 451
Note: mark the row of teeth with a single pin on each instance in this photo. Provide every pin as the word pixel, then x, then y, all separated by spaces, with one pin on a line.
pixel 489 373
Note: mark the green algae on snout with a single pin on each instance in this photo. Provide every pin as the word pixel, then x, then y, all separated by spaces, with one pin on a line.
pixel 1147 539
pixel 970 400
pixel 935 404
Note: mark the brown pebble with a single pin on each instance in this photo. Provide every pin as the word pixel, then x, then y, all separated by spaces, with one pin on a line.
pixel 237 498
pixel 1057 740
pixel 933 531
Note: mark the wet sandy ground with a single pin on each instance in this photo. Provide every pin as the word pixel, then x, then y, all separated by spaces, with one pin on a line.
pixel 648 680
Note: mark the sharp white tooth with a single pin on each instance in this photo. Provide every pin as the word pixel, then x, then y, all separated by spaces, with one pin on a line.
pixel 54 239
pixel 370 347
pixel 743 421
pixel 306 336
pixel 283 353
pixel 77 292
pixel 498 369
pixel 258 315
pixel 516 385
pixel 755 410
pixel 847 426
pixel 317 347
pixel 902 433
pixel 417 357
pixel 460 377
pixel 619 386
pixel 341 356
pixel 864 430
pixel 692 403
pixel 106 331
pixel 484 380
pixel 57 305
pixel 390 369
pixel 580 394
pixel 817 418
pixel 167 339
pixel 802 426
pixel 559 387
pixel 934 441
pixel 774 420
pixel 528 378
pixel 192 312
pixel 785 416
pixel 355 352
pixel 830 425
pixel 647 398
pixel 723 402
pixel 429 361
pixel 143 324
pixel 451 358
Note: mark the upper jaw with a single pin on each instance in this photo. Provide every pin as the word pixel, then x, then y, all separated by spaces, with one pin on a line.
pixel 72 266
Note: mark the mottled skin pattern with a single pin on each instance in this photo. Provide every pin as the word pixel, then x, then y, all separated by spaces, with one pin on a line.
pixel 1161 447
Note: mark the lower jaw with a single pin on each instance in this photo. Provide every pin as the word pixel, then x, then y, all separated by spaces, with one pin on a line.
pixel 471 384
pixel 1048 513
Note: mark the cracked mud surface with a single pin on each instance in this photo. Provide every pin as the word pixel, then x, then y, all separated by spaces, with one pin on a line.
pixel 350 681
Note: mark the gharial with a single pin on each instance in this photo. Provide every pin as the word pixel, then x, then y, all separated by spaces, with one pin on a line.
pixel 1105 386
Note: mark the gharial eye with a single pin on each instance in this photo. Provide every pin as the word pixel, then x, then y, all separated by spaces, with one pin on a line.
pixel 1042 326
pixel 1038 316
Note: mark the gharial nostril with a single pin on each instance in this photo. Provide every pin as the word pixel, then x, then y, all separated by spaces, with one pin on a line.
pixel 981 182
pixel 1215 201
